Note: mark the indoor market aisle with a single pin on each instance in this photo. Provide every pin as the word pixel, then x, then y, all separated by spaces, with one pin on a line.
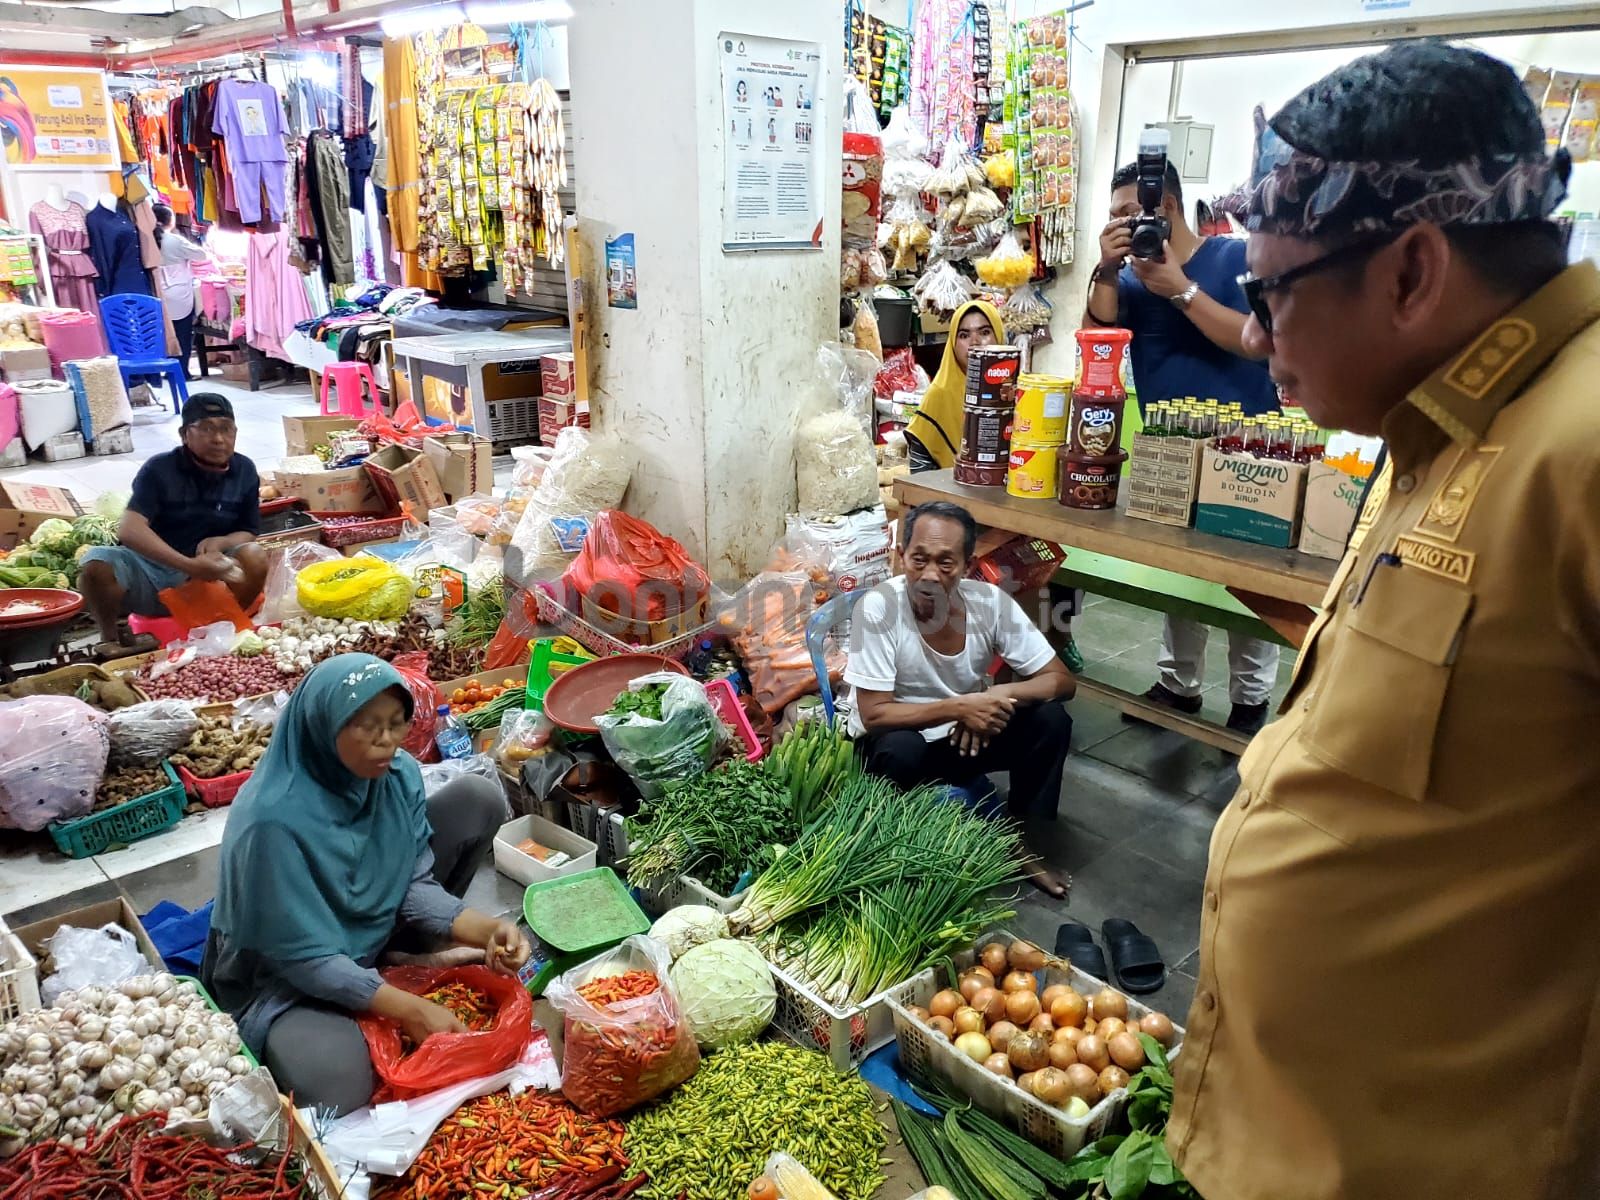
pixel 1137 808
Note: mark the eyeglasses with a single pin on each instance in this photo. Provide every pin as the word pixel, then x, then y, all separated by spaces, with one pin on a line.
pixel 1256 289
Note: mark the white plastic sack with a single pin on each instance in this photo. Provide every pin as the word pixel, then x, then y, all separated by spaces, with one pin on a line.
pixel 82 957
pixel 52 755
pixel 46 408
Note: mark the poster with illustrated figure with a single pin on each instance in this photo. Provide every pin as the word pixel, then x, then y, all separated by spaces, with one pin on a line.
pixel 55 117
pixel 772 182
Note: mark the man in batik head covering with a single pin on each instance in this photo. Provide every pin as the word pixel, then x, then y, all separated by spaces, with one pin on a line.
pixel 1399 990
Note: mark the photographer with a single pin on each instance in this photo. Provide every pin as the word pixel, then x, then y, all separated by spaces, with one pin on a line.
pixel 1186 310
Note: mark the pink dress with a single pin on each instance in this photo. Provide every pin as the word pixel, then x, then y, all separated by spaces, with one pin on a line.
pixel 72 271
pixel 274 295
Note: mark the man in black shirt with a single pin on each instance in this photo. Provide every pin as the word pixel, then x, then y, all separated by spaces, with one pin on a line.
pixel 194 514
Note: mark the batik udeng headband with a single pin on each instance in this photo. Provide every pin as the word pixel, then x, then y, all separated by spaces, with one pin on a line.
pixel 1301 195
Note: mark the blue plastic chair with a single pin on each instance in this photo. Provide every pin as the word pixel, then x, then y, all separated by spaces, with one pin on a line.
pixel 137 335
pixel 817 626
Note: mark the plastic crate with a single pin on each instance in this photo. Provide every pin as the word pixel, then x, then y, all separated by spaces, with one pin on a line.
pixel 552 613
pixel 925 1054
pixel 845 1035
pixel 347 529
pixel 19 977
pixel 217 792
pixel 726 701
pixel 524 868
pixel 145 817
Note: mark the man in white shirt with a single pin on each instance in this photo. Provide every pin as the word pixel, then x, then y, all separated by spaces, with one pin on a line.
pixel 921 645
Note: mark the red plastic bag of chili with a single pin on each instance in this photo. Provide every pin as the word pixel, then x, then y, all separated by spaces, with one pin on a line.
pixel 630 570
pixel 627 1041
pixel 446 1058
pixel 425 702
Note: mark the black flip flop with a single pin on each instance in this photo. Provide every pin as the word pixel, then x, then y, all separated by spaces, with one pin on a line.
pixel 1134 956
pixel 1075 943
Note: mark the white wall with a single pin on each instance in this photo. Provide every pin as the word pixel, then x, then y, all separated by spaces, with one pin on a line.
pixel 704 378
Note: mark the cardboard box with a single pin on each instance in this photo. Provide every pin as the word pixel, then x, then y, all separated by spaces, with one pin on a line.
pixel 559 372
pixel 1163 478
pixel 402 475
pixel 1333 501
pixel 463 462
pixel 347 490
pixel 29 362
pixel 90 916
pixel 1252 499
pixel 26 506
pixel 302 435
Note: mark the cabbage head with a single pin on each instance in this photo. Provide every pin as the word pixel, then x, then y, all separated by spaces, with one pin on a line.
pixel 725 989
pixel 54 535
pixel 689 925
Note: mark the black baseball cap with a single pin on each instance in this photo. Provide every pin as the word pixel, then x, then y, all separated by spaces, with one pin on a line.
pixel 202 405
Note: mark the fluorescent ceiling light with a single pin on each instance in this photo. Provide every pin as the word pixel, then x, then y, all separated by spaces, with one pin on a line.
pixel 416 20
pixel 527 12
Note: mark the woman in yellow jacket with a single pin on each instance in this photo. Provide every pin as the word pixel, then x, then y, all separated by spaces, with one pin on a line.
pixel 934 436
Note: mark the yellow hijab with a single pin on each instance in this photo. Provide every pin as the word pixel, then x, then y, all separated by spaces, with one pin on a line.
pixel 937 424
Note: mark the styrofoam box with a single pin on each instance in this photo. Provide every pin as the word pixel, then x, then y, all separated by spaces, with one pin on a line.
pixel 926 1054
pixel 524 868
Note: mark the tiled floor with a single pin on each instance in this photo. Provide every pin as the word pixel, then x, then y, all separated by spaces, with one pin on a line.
pixel 1135 822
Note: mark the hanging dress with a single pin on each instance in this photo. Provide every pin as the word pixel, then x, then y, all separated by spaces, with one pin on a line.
pixel 66 237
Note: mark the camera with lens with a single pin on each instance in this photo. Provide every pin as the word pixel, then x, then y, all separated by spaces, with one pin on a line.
pixel 1149 229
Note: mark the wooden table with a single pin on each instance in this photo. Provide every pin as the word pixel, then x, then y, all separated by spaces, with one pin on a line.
pixel 1280 586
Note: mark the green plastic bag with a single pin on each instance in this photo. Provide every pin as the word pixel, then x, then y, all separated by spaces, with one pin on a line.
pixel 364 588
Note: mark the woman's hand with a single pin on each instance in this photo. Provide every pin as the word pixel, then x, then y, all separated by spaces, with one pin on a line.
pixel 506 949
pixel 424 1017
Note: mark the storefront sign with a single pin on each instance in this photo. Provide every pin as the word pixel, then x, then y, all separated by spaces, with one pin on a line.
pixel 772 182
pixel 55 117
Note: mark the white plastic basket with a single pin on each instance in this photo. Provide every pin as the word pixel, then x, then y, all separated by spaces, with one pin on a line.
pixel 19 977
pixel 925 1054
pixel 685 889
pixel 845 1035
pixel 524 868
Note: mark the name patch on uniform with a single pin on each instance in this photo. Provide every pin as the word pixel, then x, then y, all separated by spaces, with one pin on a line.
pixel 1444 561
pixel 1447 511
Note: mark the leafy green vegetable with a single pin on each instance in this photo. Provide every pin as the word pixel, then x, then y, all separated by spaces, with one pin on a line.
pixel 55 535
pixel 93 530
pixel 814 762
pixel 646 702
pixel 714 827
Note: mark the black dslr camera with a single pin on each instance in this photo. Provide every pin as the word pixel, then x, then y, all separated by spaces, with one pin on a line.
pixel 1150 231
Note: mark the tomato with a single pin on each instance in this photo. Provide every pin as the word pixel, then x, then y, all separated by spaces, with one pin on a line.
pixel 458 696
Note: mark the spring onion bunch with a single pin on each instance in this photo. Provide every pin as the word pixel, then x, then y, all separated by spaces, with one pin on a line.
pixel 882 885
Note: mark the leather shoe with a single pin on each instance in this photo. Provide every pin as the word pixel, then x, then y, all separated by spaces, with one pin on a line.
pixel 1248 718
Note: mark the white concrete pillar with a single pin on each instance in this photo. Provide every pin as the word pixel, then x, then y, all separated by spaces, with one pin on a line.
pixel 704 378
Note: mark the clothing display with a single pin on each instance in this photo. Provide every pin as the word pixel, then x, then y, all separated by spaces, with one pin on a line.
pixel 275 296
pixel 114 247
pixel 359 152
pixel 72 269
pixel 328 194
pixel 249 117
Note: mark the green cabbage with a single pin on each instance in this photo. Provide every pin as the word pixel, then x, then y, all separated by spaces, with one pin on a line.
pixel 682 928
pixel 725 989
pixel 54 534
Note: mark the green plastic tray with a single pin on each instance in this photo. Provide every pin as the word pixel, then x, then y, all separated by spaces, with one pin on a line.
pixel 540 675
pixel 156 812
pixel 583 913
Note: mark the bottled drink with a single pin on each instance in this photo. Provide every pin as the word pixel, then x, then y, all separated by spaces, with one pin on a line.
pixel 453 738
pixel 1230 434
pixel 1255 437
pixel 1280 440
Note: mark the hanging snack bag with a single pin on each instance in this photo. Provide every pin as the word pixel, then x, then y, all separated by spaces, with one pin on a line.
pixel 627 1040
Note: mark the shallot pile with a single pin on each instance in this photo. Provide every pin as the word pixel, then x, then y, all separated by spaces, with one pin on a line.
pixel 148 1044
pixel 218 678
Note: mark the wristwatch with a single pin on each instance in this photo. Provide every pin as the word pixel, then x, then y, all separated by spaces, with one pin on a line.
pixel 1186 297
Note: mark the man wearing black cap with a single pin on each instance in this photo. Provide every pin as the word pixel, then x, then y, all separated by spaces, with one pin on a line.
pixel 194 514
pixel 1398 994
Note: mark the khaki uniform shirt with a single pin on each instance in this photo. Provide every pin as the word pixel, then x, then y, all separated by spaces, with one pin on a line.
pixel 1399 995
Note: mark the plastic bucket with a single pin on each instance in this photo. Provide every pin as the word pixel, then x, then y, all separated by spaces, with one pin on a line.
pixel 894 320
pixel 1085 481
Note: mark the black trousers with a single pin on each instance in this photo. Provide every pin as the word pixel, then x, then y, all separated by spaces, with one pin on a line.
pixel 1032 747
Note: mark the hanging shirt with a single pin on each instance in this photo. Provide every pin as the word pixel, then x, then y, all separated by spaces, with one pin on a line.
pixel 249 116
pixel 114 247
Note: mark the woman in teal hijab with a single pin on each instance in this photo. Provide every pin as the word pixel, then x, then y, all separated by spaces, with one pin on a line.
pixel 331 851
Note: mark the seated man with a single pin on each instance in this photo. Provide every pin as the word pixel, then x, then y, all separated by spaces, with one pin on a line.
pixel 921 645
pixel 194 514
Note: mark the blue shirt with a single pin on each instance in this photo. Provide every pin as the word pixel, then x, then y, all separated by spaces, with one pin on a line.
pixel 1171 357
pixel 185 503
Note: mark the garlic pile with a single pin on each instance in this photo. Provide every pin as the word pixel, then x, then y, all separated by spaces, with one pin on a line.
pixel 301 642
pixel 150 1043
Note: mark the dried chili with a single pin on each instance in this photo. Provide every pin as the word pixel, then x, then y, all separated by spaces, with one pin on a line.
pixel 527 1147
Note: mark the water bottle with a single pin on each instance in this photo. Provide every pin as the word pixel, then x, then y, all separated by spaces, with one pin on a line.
pixel 453 739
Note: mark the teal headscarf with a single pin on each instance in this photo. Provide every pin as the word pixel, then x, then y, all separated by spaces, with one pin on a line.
pixel 315 859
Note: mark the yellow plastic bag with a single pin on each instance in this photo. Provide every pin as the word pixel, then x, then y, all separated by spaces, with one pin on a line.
pixel 363 587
